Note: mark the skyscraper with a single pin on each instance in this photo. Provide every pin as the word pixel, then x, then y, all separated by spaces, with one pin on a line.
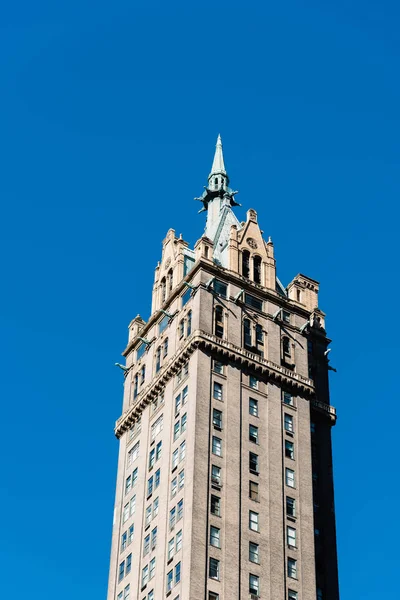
pixel 225 487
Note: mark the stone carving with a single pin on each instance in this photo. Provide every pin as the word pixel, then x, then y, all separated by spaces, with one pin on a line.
pixel 167 263
pixel 252 243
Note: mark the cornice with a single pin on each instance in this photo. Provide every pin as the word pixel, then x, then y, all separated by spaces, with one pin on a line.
pixel 235 354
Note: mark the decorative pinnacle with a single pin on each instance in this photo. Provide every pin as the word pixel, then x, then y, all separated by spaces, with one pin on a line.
pixel 218 165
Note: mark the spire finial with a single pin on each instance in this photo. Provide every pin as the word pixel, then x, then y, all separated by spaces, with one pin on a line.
pixel 218 166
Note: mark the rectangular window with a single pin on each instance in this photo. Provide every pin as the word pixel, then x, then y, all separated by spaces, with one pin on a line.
pixel 132 505
pixel 170 580
pixel 288 423
pixel 177 573
pixel 254 552
pixel 134 476
pixel 217 418
pixel 127 592
pixel 121 571
pixel 291 536
pixel 289 477
pixel 285 316
pixel 125 513
pixel 290 507
pixel 175 458
pixel 181 479
pixel 288 398
pixel 254 584
pixel 171 548
pixel 152 568
pixel 157 478
pixel 247 333
pixel 213 571
pixel 179 513
pixel 215 536
pixel 253 407
pixel 148 516
pixel 253 382
pixel 184 395
pixel 216 475
pixel 172 517
pixel 128 564
pixel 146 545
pixel 165 348
pixel 186 296
pixel 130 534
pixel 155 508
pixel 157 427
pixel 253 434
pixel 124 540
pixel 253 301
pixel 220 288
pixel 253 520
pixel 133 454
pixel 142 374
pixel 182 451
pixel 217 392
pixel 128 484
pixel 216 446
pixel 253 463
pixel 218 367
pixel 289 449
pixel 181 328
pixel 292 595
pixel 253 490
pixel 292 568
pixel 140 351
pixel 177 403
pixel 158 450
pixel 163 324
pixel 216 506
pixel 213 596
pixel 174 487
pixel 152 458
pixel 179 540
pixel 183 423
pixel 150 486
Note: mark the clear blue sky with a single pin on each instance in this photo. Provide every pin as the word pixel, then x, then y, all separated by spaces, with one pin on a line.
pixel 108 119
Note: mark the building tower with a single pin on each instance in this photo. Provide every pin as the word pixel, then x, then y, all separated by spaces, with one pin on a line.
pixel 225 486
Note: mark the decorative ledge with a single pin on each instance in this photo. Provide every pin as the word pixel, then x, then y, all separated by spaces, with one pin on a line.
pixel 327 409
pixel 235 354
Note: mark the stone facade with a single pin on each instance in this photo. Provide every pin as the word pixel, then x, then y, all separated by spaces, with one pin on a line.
pixel 225 464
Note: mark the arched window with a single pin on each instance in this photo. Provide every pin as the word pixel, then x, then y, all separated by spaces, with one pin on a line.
pixel 247 333
pixel 189 323
pixel 163 290
pixel 165 348
pixel 286 346
pixel 298 295
pixel 246 263
pixel 181 328
pixel 259 335
pixel 257 269
pixel 219 322
pixel 135 385
pixel 158 359
pixel 170 280
pixel 216 183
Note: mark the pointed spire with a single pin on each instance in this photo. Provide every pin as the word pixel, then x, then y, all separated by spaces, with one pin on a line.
pixel 218 166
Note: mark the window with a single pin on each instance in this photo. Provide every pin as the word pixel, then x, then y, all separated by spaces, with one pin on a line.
pixel 177 403
pixel 158 450
pixel 253 490
pixel 172 517
pixel 127 592
pixel 253 382
pixel 178 540
pixel 121 571
pixel 133 454
pixel 179 512
pixel 136 428
pixel 319 594
pixel 216 506
pixel 292 595
pixel 124 539
pixel 184 394
pixel 132 505
pixel 286 346
pixel 150 595
pixel 170 280
pixel 170 580
pixel 254 584
pixel 253 520
pixel 291 536
pixel 290 506
pixel 217 391
pixel 257 269
pixel 288 398
pixel 163 289
pixel 292 568
pixel 155 508
pixel 213 596
pixel 216 446
pixel 213 571
pixel 128 484
pixel 285 316
pixel 141 350
pixel 218 367
pixel 253 302
pixel 219 322
pixel 246 264
pixel 174 487
pixel 175 458
pixel 253 407
pixel 128 564
pixel 254 552
pixel 216 475
pixel 189 323
pixel 171 548
pixel 186 296
pixel 253 462
pixel 130 534
pixel 135 385
pixel 148 516
pixel 181 479
pixel 289 474
pixel 220 288
pixel 142 374
pixel 152 458
pixel 217 418
pixel 215 536
pixel 165 347
pixel 157 427
pixel 253 434
pixel 150 486
pixel 247 332
pixel 152 567
pixel 259 336
pixel 181 328
pixel 289 449
pixel 163 324
pixel 125 513
pixel 312 427
pixel 158 359
pixel 289 423
pixel 182 451
pixel 177 573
